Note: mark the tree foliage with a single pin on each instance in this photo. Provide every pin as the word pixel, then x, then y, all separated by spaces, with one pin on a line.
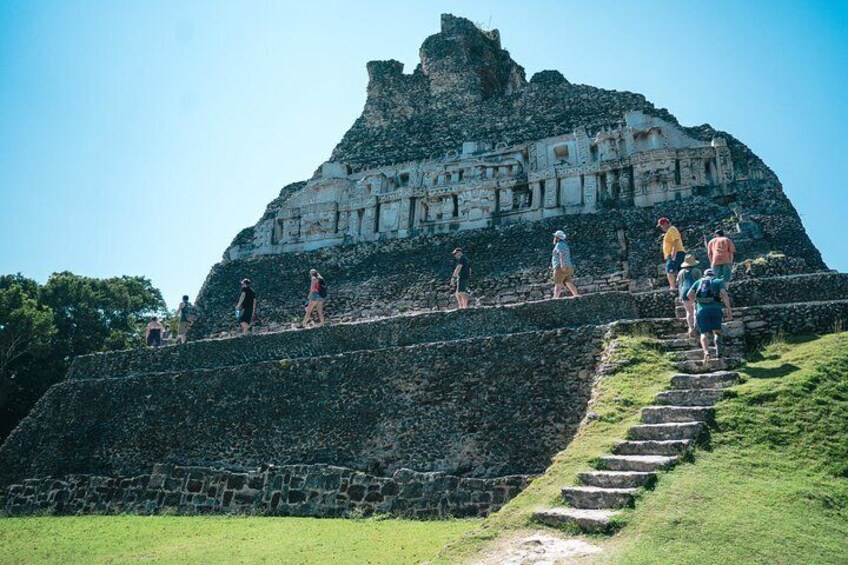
pixel 43 327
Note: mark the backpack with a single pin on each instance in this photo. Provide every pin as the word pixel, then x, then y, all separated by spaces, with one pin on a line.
pixel 322 288
pixel 189 313
pixel 707 292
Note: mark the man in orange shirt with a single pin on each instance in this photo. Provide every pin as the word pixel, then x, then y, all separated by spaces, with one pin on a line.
pixel 721 252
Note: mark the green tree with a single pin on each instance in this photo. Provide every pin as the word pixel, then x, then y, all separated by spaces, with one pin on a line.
pixel 99 314
pixel 43 327
pixel 26 335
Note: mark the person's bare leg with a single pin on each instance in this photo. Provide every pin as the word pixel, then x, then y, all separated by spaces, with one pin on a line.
pixel 705 345
pixel 557 290
pixel 672 280
pixel 690 317
pixel 245 327
pixel 572 288
pixel 717 341
pixel 308 316
pixel 321 313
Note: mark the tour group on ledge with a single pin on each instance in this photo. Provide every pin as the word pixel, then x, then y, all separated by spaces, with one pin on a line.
pixel 703 294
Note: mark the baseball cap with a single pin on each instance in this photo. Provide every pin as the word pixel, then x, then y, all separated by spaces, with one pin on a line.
pixel 559 234
pixel 662 221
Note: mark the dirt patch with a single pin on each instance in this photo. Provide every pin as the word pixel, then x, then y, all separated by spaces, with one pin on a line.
pixel 538 549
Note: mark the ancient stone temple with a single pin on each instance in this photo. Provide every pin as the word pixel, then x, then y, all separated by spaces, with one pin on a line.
pixel 401 405
pixel 641 161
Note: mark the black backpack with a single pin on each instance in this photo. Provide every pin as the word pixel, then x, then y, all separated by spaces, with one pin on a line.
pixel 188 313
pixel 322 288
pixel 708 292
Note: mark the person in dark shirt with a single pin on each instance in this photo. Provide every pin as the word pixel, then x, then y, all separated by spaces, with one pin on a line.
pixel 461 276
pixel 247 306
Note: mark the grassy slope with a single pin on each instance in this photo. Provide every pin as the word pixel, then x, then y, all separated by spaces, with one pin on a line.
pixel 774 487
pixel 617 403
pixel 169 539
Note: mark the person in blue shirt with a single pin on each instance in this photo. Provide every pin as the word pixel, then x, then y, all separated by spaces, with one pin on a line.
pixel 709 294
pixel 562 265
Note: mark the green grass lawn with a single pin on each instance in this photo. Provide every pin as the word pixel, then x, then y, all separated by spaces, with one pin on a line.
pixel 171 539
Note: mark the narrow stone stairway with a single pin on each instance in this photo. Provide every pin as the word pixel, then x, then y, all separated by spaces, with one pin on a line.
pixel 668 431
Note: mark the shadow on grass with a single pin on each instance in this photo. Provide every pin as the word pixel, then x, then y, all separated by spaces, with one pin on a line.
pixel 771 372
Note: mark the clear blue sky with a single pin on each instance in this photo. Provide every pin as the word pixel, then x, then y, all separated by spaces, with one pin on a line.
pixel 139 137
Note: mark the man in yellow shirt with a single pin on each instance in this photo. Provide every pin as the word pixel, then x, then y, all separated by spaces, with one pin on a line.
pixel 673 251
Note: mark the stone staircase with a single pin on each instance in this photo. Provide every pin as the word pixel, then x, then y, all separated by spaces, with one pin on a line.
pixel 667 434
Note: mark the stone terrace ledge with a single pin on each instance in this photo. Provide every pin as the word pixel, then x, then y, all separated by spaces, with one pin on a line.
pixel 437 326
pixel 413 329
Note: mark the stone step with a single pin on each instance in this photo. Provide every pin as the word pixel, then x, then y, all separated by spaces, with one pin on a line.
pixel 667 447
pixel 716 379
pixel 638 463
pixel 689 397
pixel 681 430
pixel 691 354
pixel 595 498
pixel 617 479
pixel 590 521
pixel 713 365
pixel 678 343
pixel 669 414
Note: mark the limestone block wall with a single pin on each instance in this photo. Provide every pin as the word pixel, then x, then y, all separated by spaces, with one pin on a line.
pixel 483 407
pixel 289 490
pixel 762 323
pixel 613 250
pixel 407 330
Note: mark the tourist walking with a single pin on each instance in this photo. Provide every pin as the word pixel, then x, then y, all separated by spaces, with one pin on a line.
pixel 166 335
pixel 316 296
pixel 247 307
pixel 709 294
pixel 187 315
pixel 461 277
pixel 673 251
pixel 721 253
pixel 153 336
pixel 686 278
pixel 562 265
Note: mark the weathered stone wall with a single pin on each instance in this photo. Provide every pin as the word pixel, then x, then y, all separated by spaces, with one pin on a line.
pixel 763 323
pixel 290 490
pixel 482 407
pixel 590 309
pixel 614 250
pixel 467 88
pixel 595 309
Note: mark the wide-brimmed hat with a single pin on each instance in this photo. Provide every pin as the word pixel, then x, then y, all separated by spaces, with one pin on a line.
pixel 559 234
pixel 457 250
pixel 663 221
pixel 690 261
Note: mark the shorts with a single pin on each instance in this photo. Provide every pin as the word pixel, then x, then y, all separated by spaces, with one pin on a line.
pixel 462 286
pixel 316 297
pixel 563 274
pixel 723 272
pixel 246 316
pixel 672 265
pixel 709 319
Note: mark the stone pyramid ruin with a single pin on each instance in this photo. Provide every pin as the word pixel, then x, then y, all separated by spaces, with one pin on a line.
pixel 402 406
